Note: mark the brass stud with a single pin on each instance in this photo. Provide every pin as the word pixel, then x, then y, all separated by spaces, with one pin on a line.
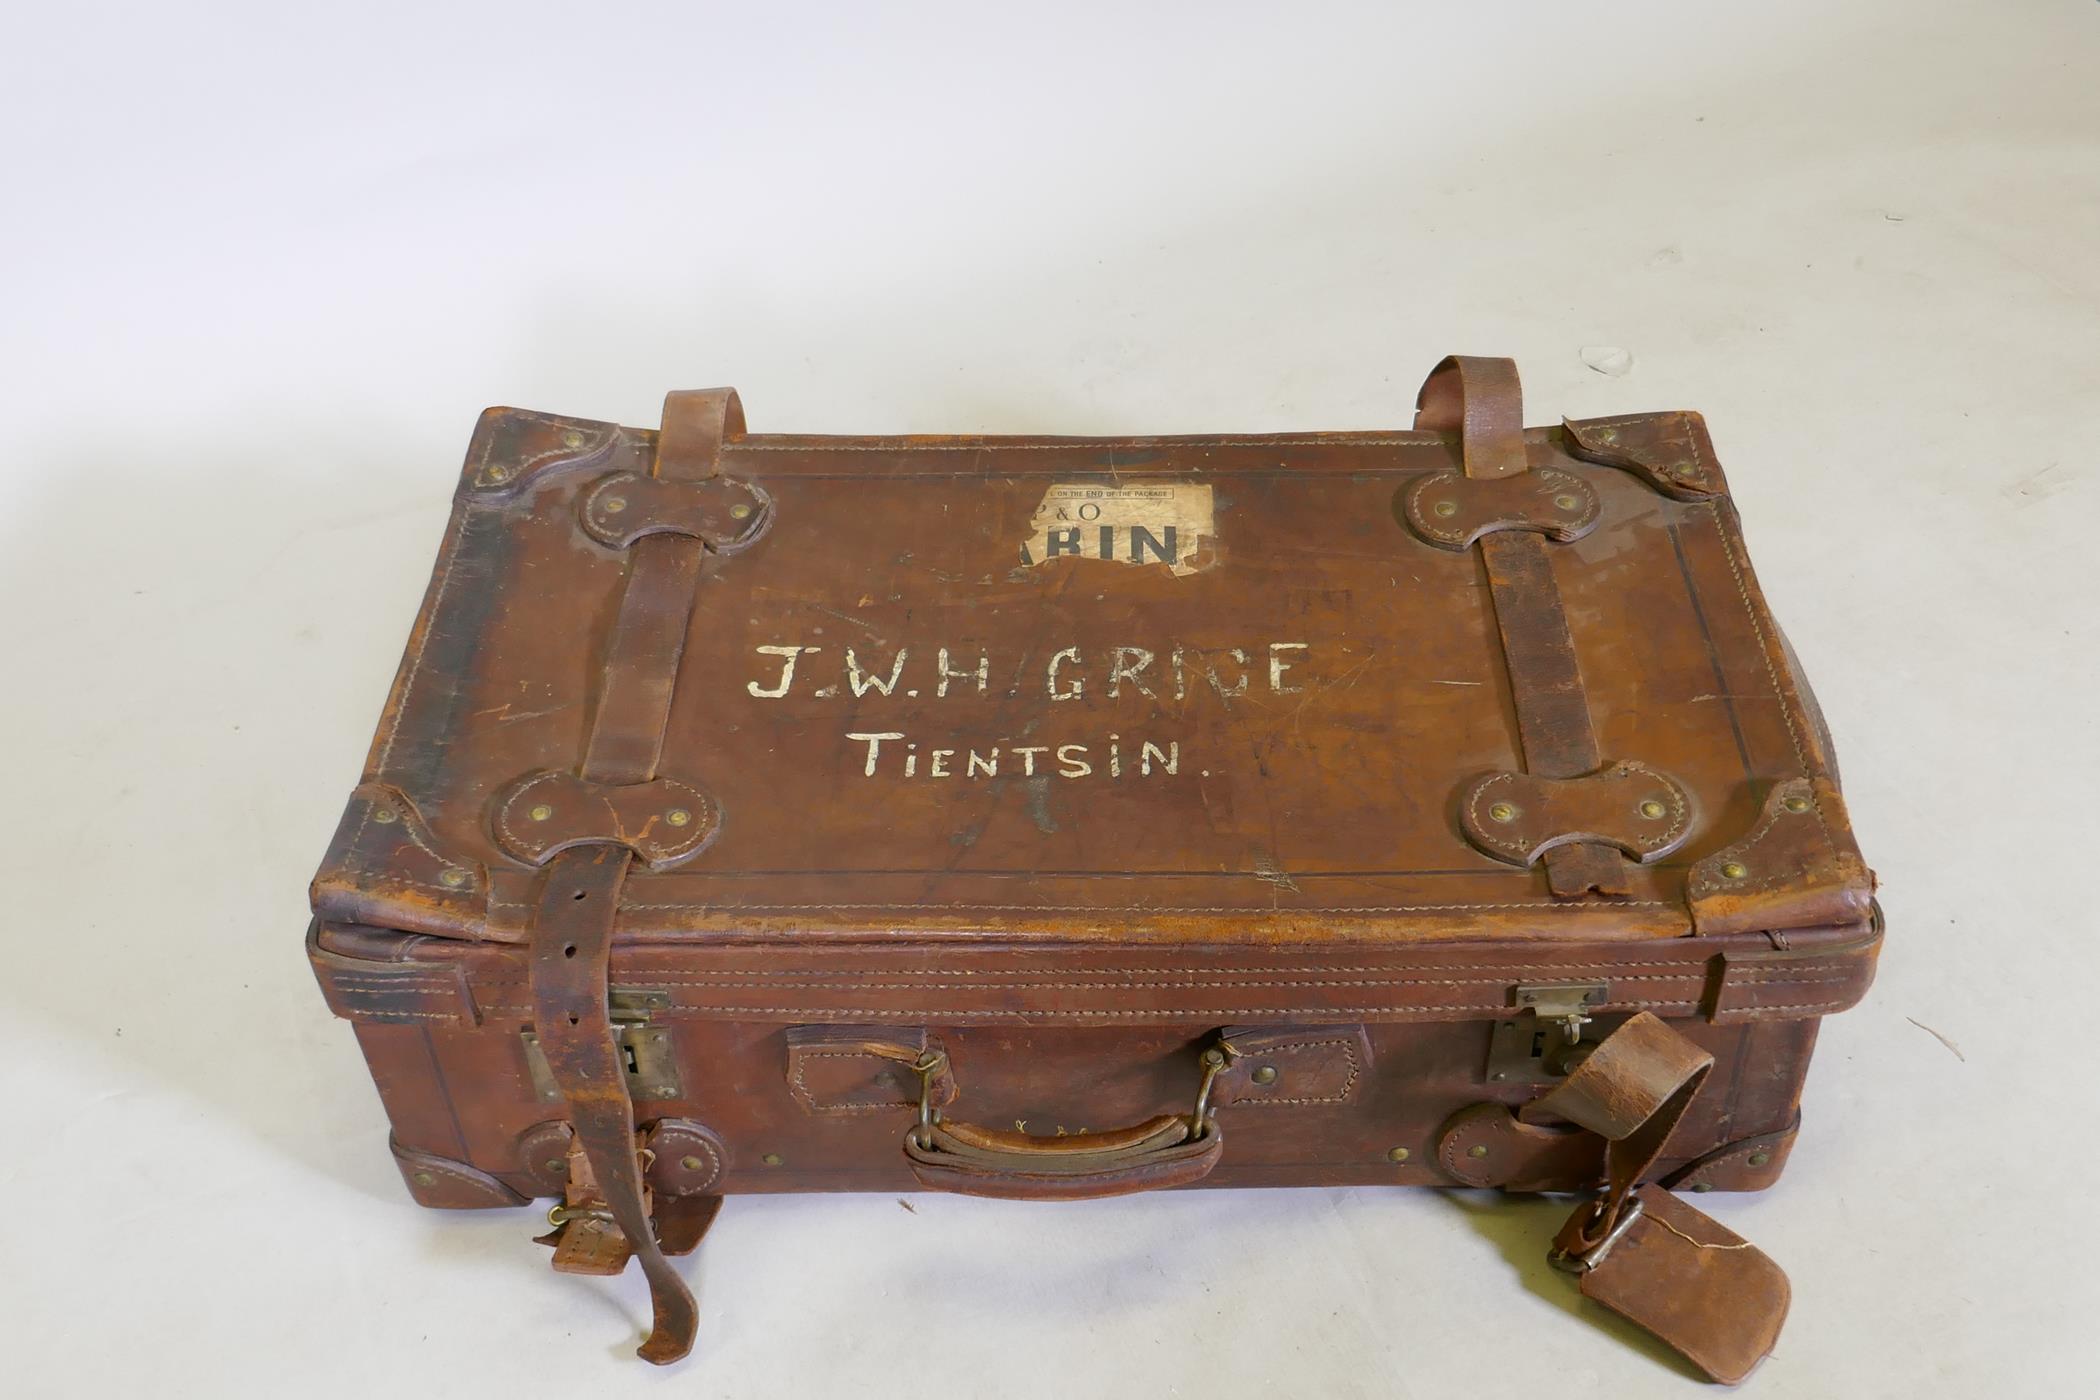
pixel 1758 1159
pixel 740 511
pixel 1606 435
pixel 499 474
pixel 1734 870
pixel 453 879
pixel 613 505
pixel 771 1159
pixel 1702 1186
pixel 1503 812
pixel 424 1179
pixel 1566 502
pixel 555 1166
pixel 1684 471
pixel 1265 1075
pixel 541 812
pixel 1479 1151
pixel 1398 1154
pixel 691 1163
pixel 1445 508
pixel 572 438
pixel 382 814
pixel 1795 804
pixel 1652 810
pixel 678 816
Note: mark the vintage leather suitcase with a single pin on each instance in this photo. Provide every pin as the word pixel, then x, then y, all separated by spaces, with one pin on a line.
pixel 1058 817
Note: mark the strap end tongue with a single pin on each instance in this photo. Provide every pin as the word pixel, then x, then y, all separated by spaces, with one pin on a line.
pixel 1713 1297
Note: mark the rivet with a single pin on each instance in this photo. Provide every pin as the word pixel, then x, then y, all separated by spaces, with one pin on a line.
pixel 1498 1076
pixel 678 816
pixel 499 473
pixel 691 1164
pixel 1652 810
pixel 453 878
pixel 1735 871
pixel 1606 435
pixel 740 511
pixel 613 505
pixel 771 1159
pixel 1758 1159
pixel 1566 502
pixel 424 1179
pixel 1795 804
pixel 1265 1075
pixel 664 1091
pixel 383 814
pixel 1503 812
pixel 1480 1151
pixel 572 438
pixel 1398 1154
pixel 1702 1186
pixel 555 1166
pixel 1445 507
pixel 541 812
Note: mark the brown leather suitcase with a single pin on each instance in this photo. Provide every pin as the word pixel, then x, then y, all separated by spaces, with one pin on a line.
pixel 1059 817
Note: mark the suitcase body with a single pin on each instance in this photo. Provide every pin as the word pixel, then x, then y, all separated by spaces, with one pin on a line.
pixel 1056 817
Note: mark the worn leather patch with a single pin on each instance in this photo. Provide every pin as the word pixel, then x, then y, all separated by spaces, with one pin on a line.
pixel 1788 873
pixel 859 1069
pixel 1293 1066
pixel 515 450
pixel 1670 451
pixel 1517 817
pixel 723 512
pixel 1452 510
pixel 384 855
pixel 688 1158
pixel 1487 1145
pixel 443 1184
pixel 663 821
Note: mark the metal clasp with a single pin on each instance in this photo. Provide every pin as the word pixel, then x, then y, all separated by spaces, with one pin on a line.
pixel 1539 1050
pixel 928 1067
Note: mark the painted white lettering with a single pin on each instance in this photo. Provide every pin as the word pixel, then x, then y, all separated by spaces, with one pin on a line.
pixel 787 671
pixel 983 674
pixel 874 743
pixel 1028 753
pixel 937 763
pixel 1170 760
pixel 1218 685
pixel 1072 761
pixel 1124 664
pixel 1277 666
pixel 978 761
pixel 1078 683
pixel 865 681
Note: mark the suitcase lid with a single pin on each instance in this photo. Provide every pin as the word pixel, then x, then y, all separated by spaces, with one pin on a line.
pixel 1261 689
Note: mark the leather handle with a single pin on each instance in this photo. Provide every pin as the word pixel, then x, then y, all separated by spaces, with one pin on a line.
pixel 1172 1149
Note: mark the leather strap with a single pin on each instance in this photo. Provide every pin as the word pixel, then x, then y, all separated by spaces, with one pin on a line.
pixel 579 895
pixel 1481 400
pixel 1639 1250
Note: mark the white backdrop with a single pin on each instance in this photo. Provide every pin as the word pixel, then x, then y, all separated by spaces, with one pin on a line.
pixel 263 264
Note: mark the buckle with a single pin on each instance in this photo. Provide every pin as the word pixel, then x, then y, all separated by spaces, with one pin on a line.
pixel 1573 1262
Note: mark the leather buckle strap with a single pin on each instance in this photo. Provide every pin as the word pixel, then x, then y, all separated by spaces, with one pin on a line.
pixel 1644 1253
pixel 587 830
